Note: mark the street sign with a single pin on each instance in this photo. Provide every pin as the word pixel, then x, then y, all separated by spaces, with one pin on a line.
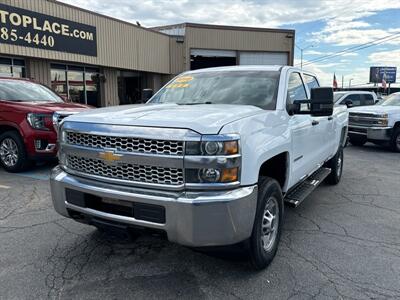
pixel 376 74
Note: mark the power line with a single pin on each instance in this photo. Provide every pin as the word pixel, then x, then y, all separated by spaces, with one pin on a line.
pixel 355 48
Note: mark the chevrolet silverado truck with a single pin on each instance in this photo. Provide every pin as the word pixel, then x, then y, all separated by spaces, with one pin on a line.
pixel 210 159
pixel 378 123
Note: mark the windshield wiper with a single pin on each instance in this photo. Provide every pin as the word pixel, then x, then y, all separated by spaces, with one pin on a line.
pixel 195 103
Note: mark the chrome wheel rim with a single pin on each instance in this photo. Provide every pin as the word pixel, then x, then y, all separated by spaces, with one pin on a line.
pixel 9 152
pixel 269 224
pixel 339 166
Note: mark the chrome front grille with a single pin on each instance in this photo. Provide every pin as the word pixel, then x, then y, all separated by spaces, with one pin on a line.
pixel 127 144
pixel 364 120
pixel 126 172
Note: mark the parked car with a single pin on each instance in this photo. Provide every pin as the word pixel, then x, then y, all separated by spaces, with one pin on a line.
pixel 29 113
pixel 355 98
pixel 209 160
pixel 379 123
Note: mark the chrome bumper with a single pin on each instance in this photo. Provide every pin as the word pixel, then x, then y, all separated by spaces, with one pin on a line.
pixel 372 133
pixel 195 219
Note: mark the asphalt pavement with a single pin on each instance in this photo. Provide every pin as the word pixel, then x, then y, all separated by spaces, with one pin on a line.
pixel 343 242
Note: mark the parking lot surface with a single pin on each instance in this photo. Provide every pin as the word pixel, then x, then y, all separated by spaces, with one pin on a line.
pixel 342 242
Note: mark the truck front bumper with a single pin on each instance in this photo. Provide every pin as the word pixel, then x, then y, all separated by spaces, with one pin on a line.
pixel 194 219
pixel 372 133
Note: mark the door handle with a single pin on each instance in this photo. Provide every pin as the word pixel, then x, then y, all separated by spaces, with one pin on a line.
pixel 330 118
pixel 315 122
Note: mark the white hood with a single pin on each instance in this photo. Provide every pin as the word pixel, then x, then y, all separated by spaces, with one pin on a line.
pixel 376 109
pixel 202 118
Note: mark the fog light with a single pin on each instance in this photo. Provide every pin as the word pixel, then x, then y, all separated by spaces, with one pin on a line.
pixel 210 175
pixel 40 145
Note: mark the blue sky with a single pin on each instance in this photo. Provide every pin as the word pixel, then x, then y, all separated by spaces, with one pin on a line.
pixel 325 26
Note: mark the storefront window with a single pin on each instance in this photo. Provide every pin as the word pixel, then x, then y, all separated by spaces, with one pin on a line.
pixel 79 84
pixel 12 67
pixel 59 81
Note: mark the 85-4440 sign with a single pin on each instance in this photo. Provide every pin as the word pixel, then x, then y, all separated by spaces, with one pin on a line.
pixel 30 29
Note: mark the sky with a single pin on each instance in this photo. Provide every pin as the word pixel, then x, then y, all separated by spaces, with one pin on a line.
pixel 323 27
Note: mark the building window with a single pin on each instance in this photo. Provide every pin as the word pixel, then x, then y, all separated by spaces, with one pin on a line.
pixel 12 67
pixel 77 83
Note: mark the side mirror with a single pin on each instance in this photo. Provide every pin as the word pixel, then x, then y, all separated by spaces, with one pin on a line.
pixel 321 101
pixel 146 95
pixel 349 103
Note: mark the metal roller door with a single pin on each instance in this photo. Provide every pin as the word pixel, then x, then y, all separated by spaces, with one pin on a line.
pixel 263 58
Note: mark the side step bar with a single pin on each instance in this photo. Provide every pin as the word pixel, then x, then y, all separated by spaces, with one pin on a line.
pixel 296 196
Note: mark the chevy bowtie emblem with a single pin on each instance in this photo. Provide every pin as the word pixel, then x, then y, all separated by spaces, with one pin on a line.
pixel 109 156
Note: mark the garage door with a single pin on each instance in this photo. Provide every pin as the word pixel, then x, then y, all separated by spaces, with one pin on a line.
pixel 212 53
pixel 263 58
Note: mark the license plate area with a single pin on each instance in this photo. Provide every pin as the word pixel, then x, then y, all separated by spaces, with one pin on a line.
pixel 139 211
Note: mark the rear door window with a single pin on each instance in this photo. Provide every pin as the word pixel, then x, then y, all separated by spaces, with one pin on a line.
pixel 354 98
pixel 368 99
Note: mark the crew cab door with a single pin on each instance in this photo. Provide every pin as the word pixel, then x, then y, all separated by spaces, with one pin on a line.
pixel 305 141
pixel 324 127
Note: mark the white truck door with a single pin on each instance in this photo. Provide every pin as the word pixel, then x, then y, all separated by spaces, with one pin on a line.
pixel 323 126
pixel 304 140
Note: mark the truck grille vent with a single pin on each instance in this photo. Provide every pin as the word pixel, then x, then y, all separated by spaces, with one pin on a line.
pixel 126 172
pixel 126 144
pixel 366 120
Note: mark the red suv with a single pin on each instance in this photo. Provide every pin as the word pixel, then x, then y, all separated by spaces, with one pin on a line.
pixel 29 115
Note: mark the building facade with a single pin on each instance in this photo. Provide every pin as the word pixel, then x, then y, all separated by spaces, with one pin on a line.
pixel 98 60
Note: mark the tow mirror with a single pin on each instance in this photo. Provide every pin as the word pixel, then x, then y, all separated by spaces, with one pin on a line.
pixel 349 103
pixel 146 95
pixel 321 101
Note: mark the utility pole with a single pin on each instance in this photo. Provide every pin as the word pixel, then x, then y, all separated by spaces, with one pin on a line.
pixel 301 53
pixel 350 82
pixel 342 82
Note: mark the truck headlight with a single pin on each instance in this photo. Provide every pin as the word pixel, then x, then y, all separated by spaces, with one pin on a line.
pixel 40 121
pixel 212 146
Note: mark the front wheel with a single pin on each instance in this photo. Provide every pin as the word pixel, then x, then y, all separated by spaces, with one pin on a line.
pixel 336 166
pixel 267 228
pixel 395 143
pixel 12 152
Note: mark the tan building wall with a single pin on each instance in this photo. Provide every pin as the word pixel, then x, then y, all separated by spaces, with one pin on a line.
pixel 119 44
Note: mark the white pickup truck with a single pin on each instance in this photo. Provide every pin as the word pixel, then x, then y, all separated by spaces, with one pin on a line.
pixel 209 160
pixel 378 123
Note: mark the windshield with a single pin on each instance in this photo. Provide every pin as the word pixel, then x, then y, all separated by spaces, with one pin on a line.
pixel 337 96
pixel 25 91
pixel 392 100
pixel 258 88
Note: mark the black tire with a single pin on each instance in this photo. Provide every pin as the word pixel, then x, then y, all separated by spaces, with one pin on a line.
pixel 357 140
pixel 336 166
pixel 395 142
pixel 21 162
pixel 269 191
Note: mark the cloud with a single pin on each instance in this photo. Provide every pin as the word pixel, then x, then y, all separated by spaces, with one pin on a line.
pixel 239 12
pixel 385 58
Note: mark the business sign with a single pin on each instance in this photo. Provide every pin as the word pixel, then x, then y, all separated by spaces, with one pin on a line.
pixel 376 74
pixel 30 29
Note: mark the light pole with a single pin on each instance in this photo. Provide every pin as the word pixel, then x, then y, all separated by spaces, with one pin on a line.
pixel 301 53
pixel 350 82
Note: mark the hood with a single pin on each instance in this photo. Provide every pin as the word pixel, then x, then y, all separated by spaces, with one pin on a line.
pixel 202 118
pixel 49 107
pixel 376 109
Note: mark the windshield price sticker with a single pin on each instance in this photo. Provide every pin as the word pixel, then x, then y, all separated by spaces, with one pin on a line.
pixel 184 79
pixel 177 85
pixel 30 29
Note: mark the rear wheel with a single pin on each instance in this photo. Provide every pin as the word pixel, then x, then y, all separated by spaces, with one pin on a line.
pixel 12 152
pixel 357 140
pixel 336 166
pixel 395 142
pixel 267 228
